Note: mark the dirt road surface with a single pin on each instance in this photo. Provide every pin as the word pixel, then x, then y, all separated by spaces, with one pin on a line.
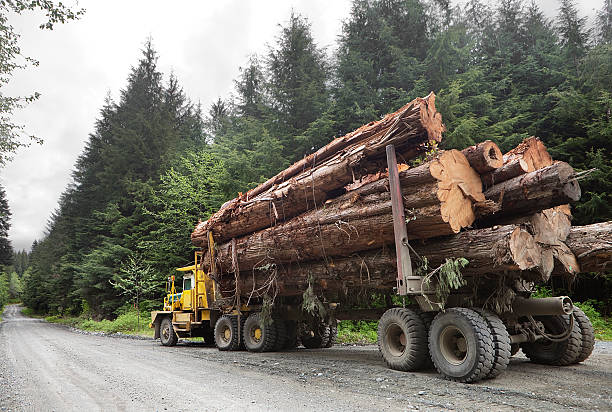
pixel 47 367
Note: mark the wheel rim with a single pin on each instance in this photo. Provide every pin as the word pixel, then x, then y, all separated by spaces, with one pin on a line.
pixel 256 334
pixel 396 340
pixel 453 345
pixel 227 334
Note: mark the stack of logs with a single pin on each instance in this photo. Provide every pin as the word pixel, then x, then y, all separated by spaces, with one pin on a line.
pixel 326 221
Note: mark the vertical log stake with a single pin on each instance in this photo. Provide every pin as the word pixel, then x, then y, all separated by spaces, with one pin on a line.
pixel 404 263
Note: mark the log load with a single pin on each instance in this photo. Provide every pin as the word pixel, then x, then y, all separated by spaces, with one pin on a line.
pixel 309 182
pixel 510 250
pixel 438 198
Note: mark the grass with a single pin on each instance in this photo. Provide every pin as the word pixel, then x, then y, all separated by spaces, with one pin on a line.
pixel 126 323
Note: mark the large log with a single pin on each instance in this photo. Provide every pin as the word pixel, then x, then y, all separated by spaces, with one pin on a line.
pixel 484 157
pixel 307 183
pixel 529 155
pixel 438 197
pixel 508 249
pixel 538 190
pixel 592 245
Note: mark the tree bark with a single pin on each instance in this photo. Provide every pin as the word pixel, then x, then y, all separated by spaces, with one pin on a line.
pixel 437 196
pixel 508 171
pixel 307 184
pixel 538 190
pixel 507 249
pixel 592 245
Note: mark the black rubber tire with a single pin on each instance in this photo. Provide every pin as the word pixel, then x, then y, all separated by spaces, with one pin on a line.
pixel 501 342
pixel 315 339
pixel 281 334
pixel 167 336
pixel 333 334
pixel 427 318
pixel 230 324
pixel 266 340
pixel 393 324
pixel 477 359
pixel 587 334
pixel 292 337
pixel 561 353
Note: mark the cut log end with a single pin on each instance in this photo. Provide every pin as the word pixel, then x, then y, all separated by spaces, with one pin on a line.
pixel 459 186
pixel 484 157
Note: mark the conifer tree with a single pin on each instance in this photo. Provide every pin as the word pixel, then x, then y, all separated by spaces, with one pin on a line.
pixel 6 250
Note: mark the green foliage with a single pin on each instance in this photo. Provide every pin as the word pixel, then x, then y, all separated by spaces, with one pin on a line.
pixel 12 59
pixel 6 250
pixel 602 326
pixel 357 331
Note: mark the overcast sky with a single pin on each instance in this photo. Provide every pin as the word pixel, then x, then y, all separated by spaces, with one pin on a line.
pixel 202 42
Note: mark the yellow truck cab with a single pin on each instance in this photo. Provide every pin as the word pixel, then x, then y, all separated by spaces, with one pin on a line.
pixel 186 313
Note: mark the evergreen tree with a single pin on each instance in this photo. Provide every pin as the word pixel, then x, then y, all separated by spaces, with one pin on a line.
pixel 250 100
pixel 6 250
pixel 574 35
pixel 604 23
pixel 296 75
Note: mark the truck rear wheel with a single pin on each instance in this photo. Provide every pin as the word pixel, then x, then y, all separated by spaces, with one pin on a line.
pixel 586 332
pixel 561 353
pixel 281 334
pixel 226 333
pixel 402 339
pixel 317 338
pixel 461 345
pixel 257 336
pixel 167 336
pixel 501 342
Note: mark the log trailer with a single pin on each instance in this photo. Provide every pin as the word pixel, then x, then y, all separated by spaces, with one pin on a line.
pixel 463 340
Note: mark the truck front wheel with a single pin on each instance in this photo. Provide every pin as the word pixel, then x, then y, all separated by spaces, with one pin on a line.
pixel 167 336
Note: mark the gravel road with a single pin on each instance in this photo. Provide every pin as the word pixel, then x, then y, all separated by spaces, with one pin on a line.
pixel 48 367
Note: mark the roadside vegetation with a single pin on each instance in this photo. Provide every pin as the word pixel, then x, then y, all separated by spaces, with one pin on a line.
pixel 126 323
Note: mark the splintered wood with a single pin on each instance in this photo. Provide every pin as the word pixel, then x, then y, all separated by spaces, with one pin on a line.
pixel 309 182
pixel 508 215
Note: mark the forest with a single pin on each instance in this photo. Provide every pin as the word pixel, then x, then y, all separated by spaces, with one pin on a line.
pixel 156 163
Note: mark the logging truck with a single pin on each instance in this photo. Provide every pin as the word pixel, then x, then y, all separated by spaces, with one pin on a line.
pixel 280 265
pixel 464 341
